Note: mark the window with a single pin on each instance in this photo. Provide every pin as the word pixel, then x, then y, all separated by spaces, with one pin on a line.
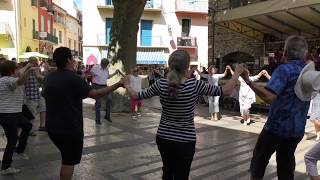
pixel 108 30
pixel 34 3
pixel 109 2
pixel 60 37
pixel 69 43
pixel 42 24
pixel 33 25
pixel 149 4
pixel 146 33
pixel 49 26
pixel 186 25
pixel 55 32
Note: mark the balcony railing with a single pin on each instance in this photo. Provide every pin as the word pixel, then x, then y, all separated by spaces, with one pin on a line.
pixel 52 38
pixel 48 37
pixel 150 5
pixel 187 41
pixel 44 4
pixel 152 41
pixel 35 34
pixel 195 6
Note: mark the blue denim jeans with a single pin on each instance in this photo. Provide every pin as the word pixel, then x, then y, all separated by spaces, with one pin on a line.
pixel 98 104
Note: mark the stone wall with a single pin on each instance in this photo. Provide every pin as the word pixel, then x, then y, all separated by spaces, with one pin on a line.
pixel 227 41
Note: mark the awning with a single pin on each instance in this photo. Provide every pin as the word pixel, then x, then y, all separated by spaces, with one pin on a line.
pixel 150 57
pixel 273 17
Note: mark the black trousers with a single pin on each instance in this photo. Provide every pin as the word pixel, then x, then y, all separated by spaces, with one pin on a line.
pixel 10 123
pixel 269 143
pixel 176 158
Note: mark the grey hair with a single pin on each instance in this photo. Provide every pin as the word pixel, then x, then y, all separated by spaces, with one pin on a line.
pixel 296 47
pixel 179 62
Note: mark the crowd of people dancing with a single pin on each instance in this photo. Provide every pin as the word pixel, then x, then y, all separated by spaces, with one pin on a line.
pixel 54 91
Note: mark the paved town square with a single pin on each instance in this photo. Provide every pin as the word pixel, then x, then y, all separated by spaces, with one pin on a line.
pixel 125 149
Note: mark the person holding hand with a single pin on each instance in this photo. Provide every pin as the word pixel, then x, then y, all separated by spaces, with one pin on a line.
pixel 213 79
pixel 11 118
pixel 176 135
pixel 246 97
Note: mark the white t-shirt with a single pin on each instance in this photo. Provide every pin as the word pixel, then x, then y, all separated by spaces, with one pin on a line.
pixel 135 83
pixel 99 75
pixel 246 94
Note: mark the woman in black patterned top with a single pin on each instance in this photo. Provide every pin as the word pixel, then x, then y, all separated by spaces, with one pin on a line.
pixel 176 135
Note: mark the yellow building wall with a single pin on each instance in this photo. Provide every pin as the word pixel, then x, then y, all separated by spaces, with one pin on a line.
pixel 27 13
pixel 72 33
pixel 60 27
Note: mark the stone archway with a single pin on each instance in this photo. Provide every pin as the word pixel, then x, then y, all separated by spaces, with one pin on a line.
pixel 237 57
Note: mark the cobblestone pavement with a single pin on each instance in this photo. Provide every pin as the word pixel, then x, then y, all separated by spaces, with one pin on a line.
pixel 125 149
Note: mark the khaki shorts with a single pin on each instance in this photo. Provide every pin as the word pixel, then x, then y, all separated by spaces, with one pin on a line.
pixel 36 106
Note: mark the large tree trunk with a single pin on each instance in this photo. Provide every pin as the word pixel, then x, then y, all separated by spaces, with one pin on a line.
pixel 123 45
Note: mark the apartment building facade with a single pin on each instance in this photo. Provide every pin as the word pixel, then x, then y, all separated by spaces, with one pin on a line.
pixel 164 27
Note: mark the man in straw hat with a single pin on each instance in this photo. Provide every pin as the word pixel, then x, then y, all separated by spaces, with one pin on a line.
pixel 308 86
pixel 287 117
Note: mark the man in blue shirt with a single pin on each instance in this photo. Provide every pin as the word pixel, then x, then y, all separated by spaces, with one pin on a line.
pixel 287 117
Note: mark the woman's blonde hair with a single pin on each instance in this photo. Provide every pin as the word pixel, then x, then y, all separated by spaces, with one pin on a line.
pixel 179 62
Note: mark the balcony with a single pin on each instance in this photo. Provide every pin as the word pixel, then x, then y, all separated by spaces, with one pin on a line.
pixel 35 34
pixel 151 5
pixel 187 42
pixel 192 6
pixel 147 42
pixel 44 4
pixel 44 36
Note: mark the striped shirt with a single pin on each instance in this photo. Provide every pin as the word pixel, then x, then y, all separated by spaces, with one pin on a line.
pixel 11 95
pixel 177 116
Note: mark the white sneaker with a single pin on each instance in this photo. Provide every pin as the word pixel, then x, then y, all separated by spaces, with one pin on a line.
pixel 318 137
pixel 134 117
pixel 22 156
pixel 139 114
pixel 9 171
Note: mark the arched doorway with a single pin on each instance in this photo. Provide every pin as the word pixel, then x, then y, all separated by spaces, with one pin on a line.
pixel 239 57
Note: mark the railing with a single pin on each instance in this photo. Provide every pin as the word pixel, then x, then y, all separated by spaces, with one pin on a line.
pixel 52 38
pixel 187 41
pixel 151 41
pixel 35 34
pixel 48 37
pixel 192 5
pixel 151 4
pixel 240 3
pixel 44 4
pixel 155 41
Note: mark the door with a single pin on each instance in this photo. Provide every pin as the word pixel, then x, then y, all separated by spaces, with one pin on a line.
pixel 108 30
pixel 146 33
pixel 186 25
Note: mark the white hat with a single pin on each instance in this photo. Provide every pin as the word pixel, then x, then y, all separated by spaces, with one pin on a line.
pixel 308 83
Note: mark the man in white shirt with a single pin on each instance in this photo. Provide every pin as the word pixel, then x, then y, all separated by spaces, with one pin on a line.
pixel 100 75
